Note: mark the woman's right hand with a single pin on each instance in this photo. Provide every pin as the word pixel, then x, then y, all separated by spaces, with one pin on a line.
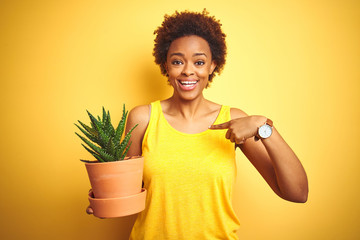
pixel 89 210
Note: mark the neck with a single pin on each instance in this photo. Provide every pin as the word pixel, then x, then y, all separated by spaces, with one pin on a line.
pixel 188 109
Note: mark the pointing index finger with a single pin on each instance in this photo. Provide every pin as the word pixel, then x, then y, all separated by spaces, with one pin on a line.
pixel 224 125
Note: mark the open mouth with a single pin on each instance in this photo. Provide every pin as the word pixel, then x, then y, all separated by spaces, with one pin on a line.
pixel 188 85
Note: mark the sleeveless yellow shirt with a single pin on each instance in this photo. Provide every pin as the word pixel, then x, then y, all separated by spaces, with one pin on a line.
pixel 189 179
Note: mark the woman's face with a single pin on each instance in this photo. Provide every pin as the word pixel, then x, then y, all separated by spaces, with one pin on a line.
pixel 189 64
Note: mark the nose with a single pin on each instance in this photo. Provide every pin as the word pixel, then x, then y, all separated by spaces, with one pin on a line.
pixel 187 70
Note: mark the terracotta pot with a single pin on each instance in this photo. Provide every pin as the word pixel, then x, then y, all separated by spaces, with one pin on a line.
pixel 116 179
pixel 117 207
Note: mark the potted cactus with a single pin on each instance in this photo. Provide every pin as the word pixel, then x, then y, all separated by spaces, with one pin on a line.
pixel 115 178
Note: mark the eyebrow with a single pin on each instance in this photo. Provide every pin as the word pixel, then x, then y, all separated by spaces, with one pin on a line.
pixel 181 54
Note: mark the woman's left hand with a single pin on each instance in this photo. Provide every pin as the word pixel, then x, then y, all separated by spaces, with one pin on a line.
pixel 273 158
pixel 240 129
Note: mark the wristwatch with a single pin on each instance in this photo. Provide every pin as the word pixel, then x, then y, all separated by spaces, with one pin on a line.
pixel 264 131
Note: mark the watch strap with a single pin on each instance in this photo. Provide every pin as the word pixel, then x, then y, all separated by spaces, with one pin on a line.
pixel 269 122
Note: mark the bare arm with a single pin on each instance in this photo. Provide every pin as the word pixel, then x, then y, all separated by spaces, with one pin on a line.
pixel 139 115
pixel 272 157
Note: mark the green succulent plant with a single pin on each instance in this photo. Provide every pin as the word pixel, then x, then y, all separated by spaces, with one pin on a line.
pixel 103 140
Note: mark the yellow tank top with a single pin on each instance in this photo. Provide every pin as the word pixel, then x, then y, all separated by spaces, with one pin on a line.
pixel 189 179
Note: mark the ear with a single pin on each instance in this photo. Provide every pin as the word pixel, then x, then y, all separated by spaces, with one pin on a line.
pixel 212 66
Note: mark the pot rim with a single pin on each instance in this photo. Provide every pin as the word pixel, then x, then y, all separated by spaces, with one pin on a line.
pixel 133 158
pixel 91 196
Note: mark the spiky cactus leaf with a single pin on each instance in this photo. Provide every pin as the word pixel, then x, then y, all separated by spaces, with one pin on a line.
pixel 120 128
pixel 108 127
pixel 97 149
pixel 88 149
pixel 111 128
pixel 126 151
pixel 94 122
pixel 107 157
pixel 130 131
pixel 103 140
pixel 98 158
pixel 90 144
pixel 87 161
pixel 122 147
pixel 104 116
pixel 93 153
pixel 88 135
pixel 88 129
pixel 110 148
pixel 124 143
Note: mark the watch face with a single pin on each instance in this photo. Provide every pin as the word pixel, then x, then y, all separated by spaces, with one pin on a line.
pixel 265 131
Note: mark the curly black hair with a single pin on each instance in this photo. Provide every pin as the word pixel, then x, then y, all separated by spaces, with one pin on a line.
pixel 188 23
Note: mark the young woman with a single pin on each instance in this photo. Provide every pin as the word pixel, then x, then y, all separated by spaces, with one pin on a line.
pixel 189 142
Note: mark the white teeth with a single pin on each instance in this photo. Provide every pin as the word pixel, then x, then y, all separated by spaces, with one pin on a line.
pixel 188 82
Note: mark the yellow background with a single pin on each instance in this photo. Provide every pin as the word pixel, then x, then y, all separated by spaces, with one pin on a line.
pixel 296 62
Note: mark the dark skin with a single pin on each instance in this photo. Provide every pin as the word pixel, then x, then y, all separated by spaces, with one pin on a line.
pixel 189 65
pixel 189 60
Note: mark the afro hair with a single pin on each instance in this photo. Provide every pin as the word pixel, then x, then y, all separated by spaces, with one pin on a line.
pixel 188 23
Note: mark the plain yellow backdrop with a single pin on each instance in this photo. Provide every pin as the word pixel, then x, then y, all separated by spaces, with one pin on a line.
pixel 296 62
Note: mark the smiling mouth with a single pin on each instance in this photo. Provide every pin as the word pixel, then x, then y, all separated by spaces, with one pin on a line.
pixel 188 83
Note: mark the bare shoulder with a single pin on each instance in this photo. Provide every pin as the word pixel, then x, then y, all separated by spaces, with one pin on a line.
pixel 237 113
pixel 139 115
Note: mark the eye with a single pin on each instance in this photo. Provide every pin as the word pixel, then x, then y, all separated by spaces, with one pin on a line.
pixel 200 63
pixel 176 62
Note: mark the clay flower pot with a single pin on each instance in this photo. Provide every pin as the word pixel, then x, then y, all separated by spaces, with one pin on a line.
pixel 117 207
pixel 116 187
